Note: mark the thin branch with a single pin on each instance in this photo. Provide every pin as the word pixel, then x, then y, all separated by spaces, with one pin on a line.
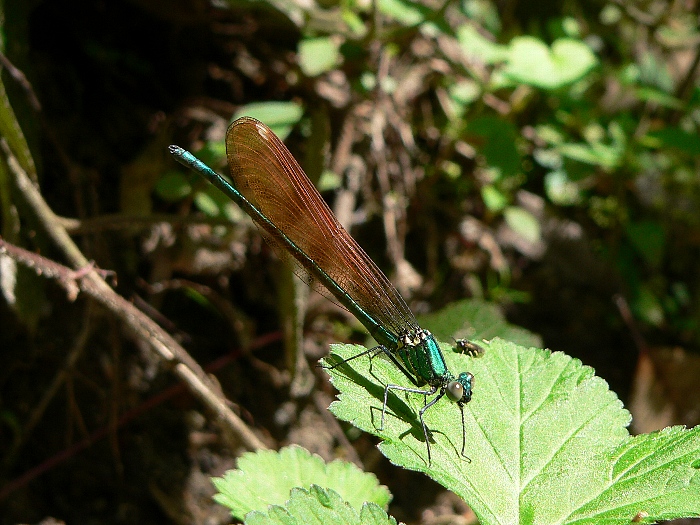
pixel 184 366
pixel 143 327
pixel 22 80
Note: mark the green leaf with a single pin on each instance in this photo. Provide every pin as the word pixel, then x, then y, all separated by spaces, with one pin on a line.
pixel 659 97
pixel 523 223
pixel 674 137
pixel 20 287
pixel 319 507
pixel 405 12
pixel 329 180
pixel 461 94
pixel 597 154
pixel 648 307
pixel 11 131
pixel 547 440
pixel 173 187
pixel 476 320
pixel 496 139
pixel 280 117
pixel 210 202
pixel 266 478
pixel 532 62
pixel 318 55
pixel 476 46
pixel 560 189
pixel 493 198
pixel 649 238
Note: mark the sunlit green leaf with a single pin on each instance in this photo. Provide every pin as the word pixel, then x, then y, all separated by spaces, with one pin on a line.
pixel 406 12
pixel 476 46
pixel 279 116
pixel 493 199
pixel 532 62
pixel 523 222
pixel 475 319
pixel 546 439
pixel 267 477
pixel 660 98
pixel 318 506
pixel 560 189
pixel 318 55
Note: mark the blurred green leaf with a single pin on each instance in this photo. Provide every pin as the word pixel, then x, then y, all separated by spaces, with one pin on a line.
pixel 354 22
pixel 560 190
pixel 405 12
pixel 173 186
pixel 281 117
pixel 531 62
pixel 207 203
pixel 12 132
pixel 329 181
pixel 610 14
pixel 318 55
pixel 522 222
pixel 649 238
pixel 21 288
pixel 493 199
pixel 647 306
pixel 548 158
pixel 674 137
pixel 476 46
pixel 597 154
pixel 476 320
pixel 483 13
pixel 495 139
pixel 462 94
pixel 654 71
pixel 659 97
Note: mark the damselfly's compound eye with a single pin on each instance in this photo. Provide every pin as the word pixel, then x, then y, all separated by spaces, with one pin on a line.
pixel 455 390
pixel 460 390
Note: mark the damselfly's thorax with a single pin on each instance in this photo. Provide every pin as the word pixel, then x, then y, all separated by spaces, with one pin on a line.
pixel 414 338
pixel 422 356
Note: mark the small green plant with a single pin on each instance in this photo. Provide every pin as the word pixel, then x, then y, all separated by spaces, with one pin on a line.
pixel 546 438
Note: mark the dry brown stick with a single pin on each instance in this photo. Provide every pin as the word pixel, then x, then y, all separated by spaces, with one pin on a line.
pixel 21 79
pixel 170 352
pixel 143 327
pixel 119 221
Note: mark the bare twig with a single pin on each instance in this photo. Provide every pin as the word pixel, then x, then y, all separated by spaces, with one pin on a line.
pixel 120 221
pixel 146 329
pixel 21 79
pixel 91 283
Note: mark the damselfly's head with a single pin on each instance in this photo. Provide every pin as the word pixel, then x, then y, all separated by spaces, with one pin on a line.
pixel 460 390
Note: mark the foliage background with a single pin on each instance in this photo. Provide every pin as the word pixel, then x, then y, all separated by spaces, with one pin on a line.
pixel 542 157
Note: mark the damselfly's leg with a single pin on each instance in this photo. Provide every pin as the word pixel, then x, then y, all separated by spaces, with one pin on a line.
pixel 464 435
pixel 422 421
pixel 372 351
pixel 405 389
pixel 413 391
